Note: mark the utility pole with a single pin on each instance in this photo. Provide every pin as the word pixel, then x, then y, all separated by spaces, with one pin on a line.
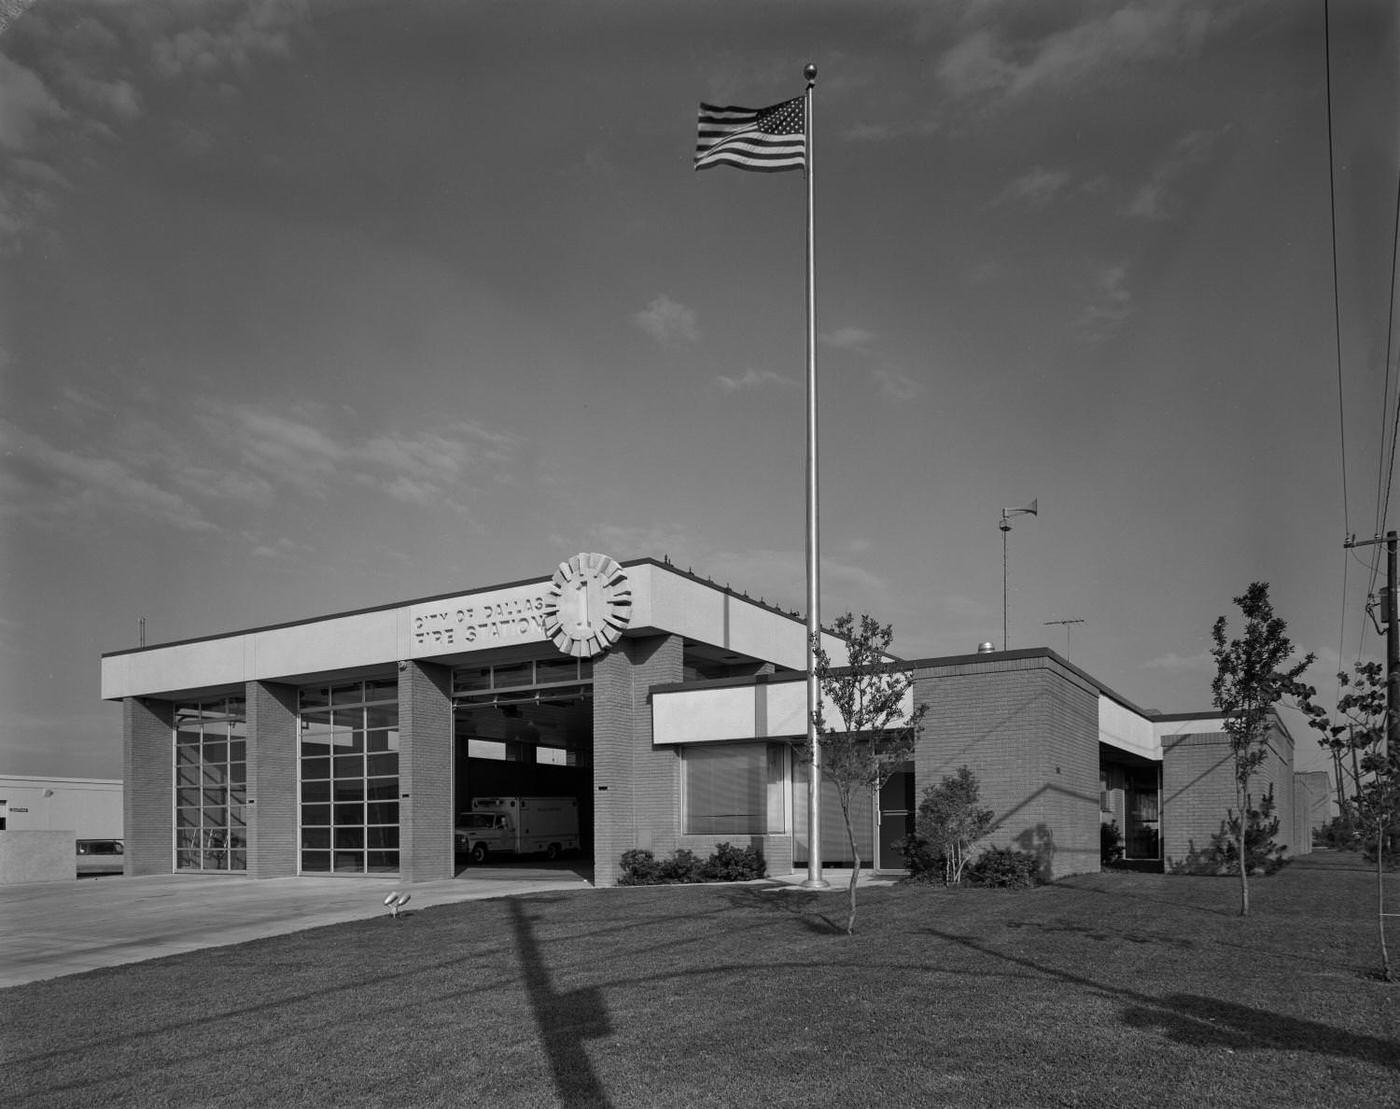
pixel 1392 632
pixel 1066 624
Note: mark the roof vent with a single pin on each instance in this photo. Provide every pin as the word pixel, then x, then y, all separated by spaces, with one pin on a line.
pixel 985 649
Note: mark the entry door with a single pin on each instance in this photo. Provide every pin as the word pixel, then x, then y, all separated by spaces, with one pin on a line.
pixel 1142 802
pixel 896 818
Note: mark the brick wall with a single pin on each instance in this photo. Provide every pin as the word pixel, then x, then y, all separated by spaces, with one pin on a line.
pixel 1198 790
pixel 1278 773
pixel 636 787
pixel 1198 787
pixel 1028 728
pixel 147 800
pixel 425 772
pixel 1312 804
pixel 272 780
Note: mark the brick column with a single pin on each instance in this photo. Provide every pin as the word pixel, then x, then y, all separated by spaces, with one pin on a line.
pixel 1028 729
pixel 273 834
pixel 636 787
pixel 425 772
pixel 147 760
pixel 1198 788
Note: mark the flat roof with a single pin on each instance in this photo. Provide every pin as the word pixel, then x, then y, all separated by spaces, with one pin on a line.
pixel 455 629
pixel 976 658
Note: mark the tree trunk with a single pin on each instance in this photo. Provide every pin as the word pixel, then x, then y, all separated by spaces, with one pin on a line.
pixel 1242 796
pixel 855 874
pixel 855 860
pixel 1244 870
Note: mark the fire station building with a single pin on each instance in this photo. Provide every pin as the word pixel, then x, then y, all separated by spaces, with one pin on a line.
pixel 666 704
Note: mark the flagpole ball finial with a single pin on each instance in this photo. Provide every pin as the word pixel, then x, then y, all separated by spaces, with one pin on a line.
pixel 809 71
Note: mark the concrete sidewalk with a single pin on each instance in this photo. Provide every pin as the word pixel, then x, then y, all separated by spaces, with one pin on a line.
pixel 50 929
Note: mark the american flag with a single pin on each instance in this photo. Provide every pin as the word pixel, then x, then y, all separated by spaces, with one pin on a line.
pixel 763 139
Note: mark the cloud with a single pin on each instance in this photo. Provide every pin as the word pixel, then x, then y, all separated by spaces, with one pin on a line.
pixel 114 98
pixel 26 105
pixel 224 37
pixel 1155 198
pixel 41 173
pixel 1034 189
pixel 975 66
pixel 1175 663
pixel 192 474
pixel 984 64
pixel 870 132
pixel 895 385
pixel 287 450
pixel 755 379
pixel 855 339
pixel 427 469
pixel 45 481
pixel 226 485
pixel 1110 305
pixel 668 322
pixel 280 548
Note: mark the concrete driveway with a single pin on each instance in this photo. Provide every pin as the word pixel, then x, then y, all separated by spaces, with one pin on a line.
pixel 50 929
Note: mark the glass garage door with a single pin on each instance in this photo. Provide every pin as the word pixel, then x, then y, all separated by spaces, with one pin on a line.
pixel 349 752
pixel 211 785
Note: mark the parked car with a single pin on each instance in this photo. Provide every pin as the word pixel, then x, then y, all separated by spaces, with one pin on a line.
pixel 100 856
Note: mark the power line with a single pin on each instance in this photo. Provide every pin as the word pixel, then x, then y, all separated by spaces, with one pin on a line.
pixel 1337 340
pixel 1389 347
pixel 1336 292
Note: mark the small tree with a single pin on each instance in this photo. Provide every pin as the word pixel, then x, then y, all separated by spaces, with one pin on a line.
pixel 1378 805
pixel 1360 732
pixel 1249 683
pixel 1262 855
pixel 1374 802
pixel 950 822
pixel 872 735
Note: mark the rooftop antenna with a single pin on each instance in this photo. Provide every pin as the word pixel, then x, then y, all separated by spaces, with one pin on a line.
pixel 1066 623
pixel 143 630
pixel 1032 509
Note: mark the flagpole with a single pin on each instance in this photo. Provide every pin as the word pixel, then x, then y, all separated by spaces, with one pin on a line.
pixel 814 840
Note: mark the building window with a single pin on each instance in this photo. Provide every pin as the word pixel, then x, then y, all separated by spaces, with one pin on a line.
pixel 554 676
pixel 734 789
pixel 350 778
pixel 211 785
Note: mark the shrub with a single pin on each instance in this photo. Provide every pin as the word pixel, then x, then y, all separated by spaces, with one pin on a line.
pixel 639 868
pixel 1341 832
pixel 1110 843
pixel 727 864
pixel 683 866
pixel 1004 868
pixel 923 863
pixel 1262 854
pixel 949 822
pixel 735 864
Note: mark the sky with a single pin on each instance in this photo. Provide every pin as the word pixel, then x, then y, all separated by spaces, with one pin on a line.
pixel 308 307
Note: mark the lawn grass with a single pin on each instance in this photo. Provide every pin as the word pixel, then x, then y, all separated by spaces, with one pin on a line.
pixel 1116 989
